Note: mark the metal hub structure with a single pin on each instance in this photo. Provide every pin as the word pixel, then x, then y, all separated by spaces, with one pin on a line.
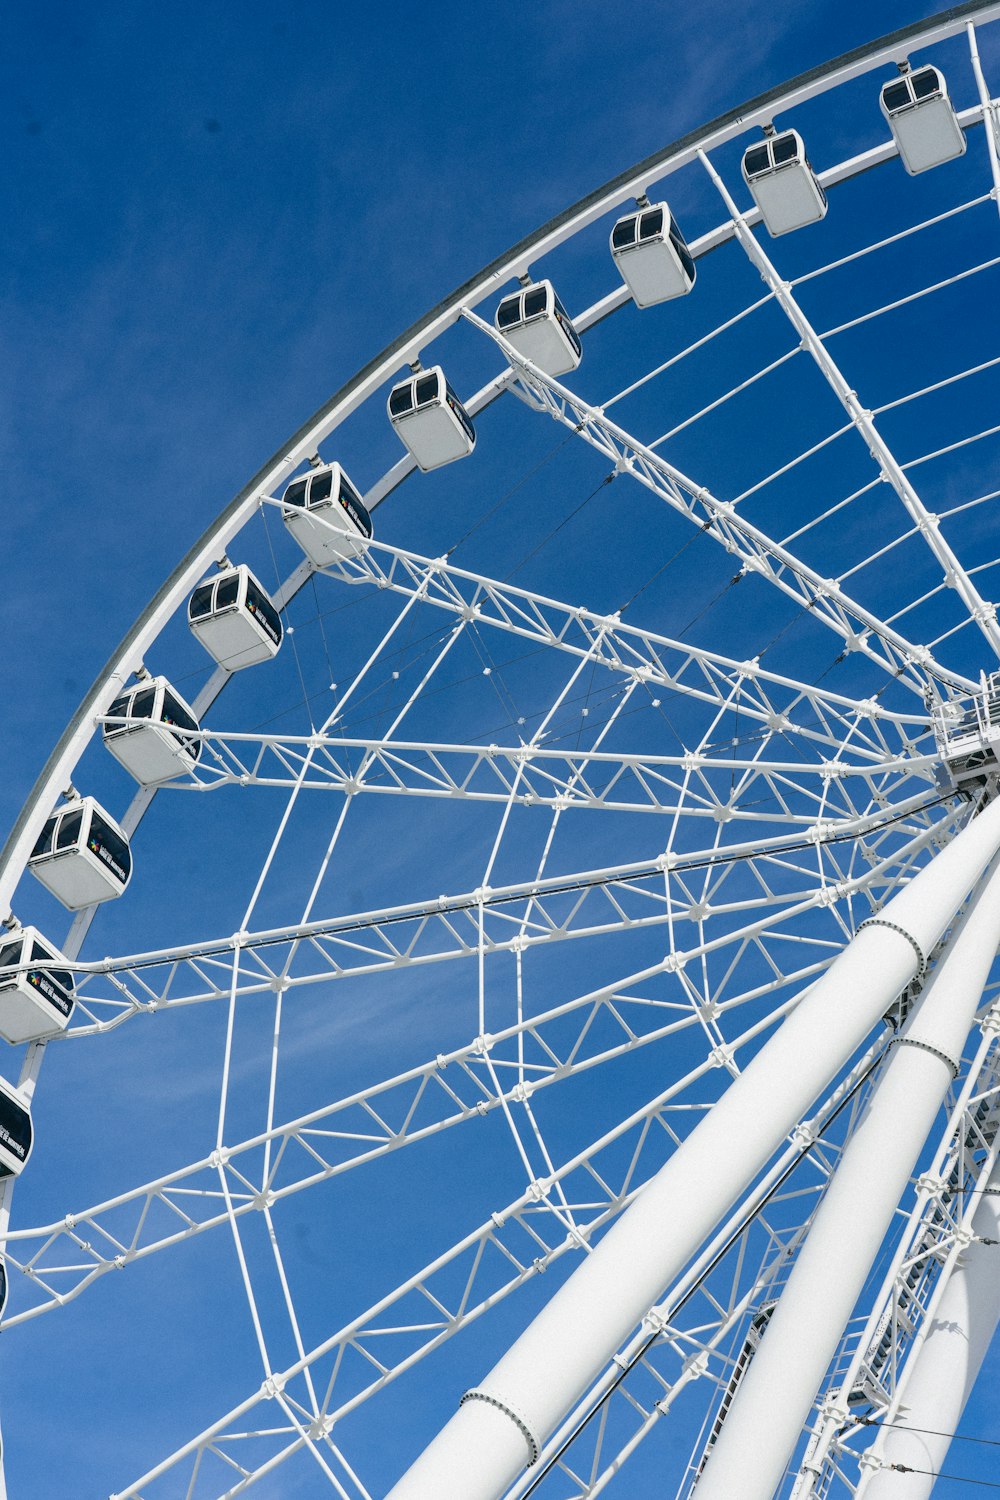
pixel 558 1006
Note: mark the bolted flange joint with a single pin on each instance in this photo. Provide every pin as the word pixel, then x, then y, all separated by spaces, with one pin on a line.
pixel 534 1447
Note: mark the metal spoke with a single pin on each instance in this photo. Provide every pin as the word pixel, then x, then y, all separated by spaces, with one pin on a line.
pixel 858 629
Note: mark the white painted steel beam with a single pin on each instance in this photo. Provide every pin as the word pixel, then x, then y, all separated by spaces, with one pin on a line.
pixel 984 612
pixel 535 775
pixel 989 108
pixel 531 1239
pixel 587 212
pixel 110 991
pixel 62 1258
pixel 646 1350
pixel 758 553
pixel 501 1426
pixel 658 660
pixel 940 1377
pixel 777 1391
pixel 935 1230
pixel 409 345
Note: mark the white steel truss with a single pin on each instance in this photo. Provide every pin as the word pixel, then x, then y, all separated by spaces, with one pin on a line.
pixel 516 918
pixel 535 775
pixel 606 639
pixel 874 1372
pixel 863 422
pixel 933 1235
pixel 357 1362
pixel 852 786
pixel 756 552
pixel 479 1452
pixel 449 1090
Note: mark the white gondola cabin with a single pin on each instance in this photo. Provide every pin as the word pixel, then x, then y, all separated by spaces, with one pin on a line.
pixel 922 119
pixel 539 327
pixel 652 256
pixel 152 739
pixel 326 516
pixel 37 1002
pixel 82 856
pixel 234 619
pixel 783 184
pixel 430 419
pixel 16 1135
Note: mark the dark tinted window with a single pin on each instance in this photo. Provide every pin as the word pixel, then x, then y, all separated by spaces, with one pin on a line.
pixel 263 610
pixel 110 847
pixel 69 829
pixel 10 955
pixel 652 223
pixel 460 412
pixel 201 602
pixel 786 148
pixel 349 493
pixel 15 1127
pixel 509 311
pixel 321 486
pixel 755 160
pixel 296 493
pixel 142 704
pixel 227 590
pixel 352 503
pixel 925 83
pixel 45 837
pixel 427 389
pixel 567 324
pixel 534 302
pixel 119 708
pixel 683 253
pixel 896 96
pixel 399 400
pixel 173 713
pixel 624 232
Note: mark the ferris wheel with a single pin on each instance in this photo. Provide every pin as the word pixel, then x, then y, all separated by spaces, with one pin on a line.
pixel 527 1021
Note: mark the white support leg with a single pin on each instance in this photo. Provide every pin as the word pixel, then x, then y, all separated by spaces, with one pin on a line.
pixel 776 1393
pixel 943 1369
pixel 501 1425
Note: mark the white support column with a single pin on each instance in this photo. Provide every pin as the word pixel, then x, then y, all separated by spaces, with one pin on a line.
pixel 943 1369
pixel 501 1425
pixel 776 1393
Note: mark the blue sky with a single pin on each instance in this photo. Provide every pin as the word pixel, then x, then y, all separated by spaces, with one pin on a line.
pixel 213 215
